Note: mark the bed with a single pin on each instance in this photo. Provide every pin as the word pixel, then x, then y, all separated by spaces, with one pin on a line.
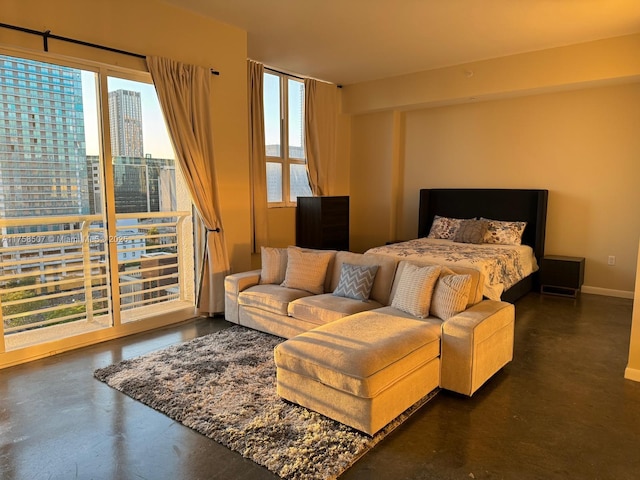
pixel 510 271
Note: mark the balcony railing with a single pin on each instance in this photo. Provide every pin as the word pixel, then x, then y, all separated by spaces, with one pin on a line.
pixel 56 270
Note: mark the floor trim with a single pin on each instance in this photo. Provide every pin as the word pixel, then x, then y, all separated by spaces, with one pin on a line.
pixel 607 292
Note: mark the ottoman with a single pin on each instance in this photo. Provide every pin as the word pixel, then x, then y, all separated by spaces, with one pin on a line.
pixel 362 370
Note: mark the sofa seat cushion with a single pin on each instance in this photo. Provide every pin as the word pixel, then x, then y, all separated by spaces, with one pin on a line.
pixel 272 298
pixel 321 309
pixel 362 354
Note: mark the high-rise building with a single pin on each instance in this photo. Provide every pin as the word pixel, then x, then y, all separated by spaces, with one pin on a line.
pixel 140 184
pixel 43 170
pixel 125 114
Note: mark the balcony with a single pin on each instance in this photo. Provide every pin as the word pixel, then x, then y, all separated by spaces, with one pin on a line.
pixel 65 276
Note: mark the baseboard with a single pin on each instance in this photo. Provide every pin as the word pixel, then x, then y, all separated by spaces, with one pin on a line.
pixel 607 292
pixel 632 374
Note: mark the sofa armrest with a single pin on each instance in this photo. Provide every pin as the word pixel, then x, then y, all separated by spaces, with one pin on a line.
pixel 476 344
pixel 233 285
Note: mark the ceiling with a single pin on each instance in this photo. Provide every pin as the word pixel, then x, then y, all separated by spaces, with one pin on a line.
pixel 350 41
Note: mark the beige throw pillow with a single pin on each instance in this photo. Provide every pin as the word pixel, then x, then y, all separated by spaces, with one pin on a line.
pixel 450 295
pixel 415 286
pixel 307 269
pixel 274 265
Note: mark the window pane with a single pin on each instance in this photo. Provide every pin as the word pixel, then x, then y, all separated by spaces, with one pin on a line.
pixel 54 261
pixel 299 182
pixel 296 119
pixel 274 182
pixel 143 160
pixel 148 198
pixel 271 96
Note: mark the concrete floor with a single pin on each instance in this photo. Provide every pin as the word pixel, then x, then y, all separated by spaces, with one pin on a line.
pixel 560 410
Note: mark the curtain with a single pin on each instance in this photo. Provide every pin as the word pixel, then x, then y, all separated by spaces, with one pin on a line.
pixel 258 167
pixel 321 112
pixel 184 92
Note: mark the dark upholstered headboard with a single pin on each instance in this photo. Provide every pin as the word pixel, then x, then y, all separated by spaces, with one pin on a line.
pixel 497 204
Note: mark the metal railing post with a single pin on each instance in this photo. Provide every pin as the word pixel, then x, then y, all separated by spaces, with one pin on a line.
pixel 86 269
pixel 180 252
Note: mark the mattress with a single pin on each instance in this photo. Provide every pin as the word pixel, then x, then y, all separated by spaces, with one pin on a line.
pixel 502 266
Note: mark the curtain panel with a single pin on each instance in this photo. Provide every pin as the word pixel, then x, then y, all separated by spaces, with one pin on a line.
pixel 257 155
pixel 321 112
pixel 184 92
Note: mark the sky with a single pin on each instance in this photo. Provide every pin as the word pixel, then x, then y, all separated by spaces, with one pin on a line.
pixel 154 130
pixel 272 111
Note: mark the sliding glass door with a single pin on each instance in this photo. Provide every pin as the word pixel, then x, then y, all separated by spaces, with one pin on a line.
pixel 95 220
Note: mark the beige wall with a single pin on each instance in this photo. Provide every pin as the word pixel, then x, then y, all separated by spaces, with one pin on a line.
pixel 581 145
pixel 151 27
pixel 577 139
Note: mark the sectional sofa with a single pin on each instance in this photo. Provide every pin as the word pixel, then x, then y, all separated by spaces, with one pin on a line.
pixel 367 335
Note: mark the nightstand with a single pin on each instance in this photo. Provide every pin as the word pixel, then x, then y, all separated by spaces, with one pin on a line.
pixel 561 275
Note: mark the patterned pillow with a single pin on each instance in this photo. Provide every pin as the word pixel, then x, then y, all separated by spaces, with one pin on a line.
pixel 415 286
pixel 306 269
pixel 444 227
pixel 274 265
pixel 504 233
pixel 450 295
pixel 356 281
pixel 471 231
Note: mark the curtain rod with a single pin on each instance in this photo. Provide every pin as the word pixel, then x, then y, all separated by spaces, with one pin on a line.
pixel 46 35
pixel 289 74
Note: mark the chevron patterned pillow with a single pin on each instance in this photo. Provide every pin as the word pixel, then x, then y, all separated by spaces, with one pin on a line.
pixel 356 281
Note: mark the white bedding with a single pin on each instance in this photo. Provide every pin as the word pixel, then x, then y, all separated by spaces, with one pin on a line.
pixel 501 265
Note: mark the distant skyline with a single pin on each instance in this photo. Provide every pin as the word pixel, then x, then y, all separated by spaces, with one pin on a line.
pixel 156 137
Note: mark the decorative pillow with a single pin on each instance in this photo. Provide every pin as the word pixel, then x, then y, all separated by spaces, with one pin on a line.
pixel 504 233
pixel 415 286
pixel 471 231
pixel 356 281
pixel 306 269
pixel 450 295
pixel 444 227
pixel 274 265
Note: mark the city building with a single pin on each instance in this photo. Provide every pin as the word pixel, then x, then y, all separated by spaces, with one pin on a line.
pixel 125 115
pixel 43 171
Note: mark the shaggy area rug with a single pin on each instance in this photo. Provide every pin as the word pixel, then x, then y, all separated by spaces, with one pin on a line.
pixel 223 385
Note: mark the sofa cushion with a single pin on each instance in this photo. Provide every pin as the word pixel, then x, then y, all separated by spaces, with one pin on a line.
pixel 383 280
pixel 415 287
pixel 477 280
pixel 272 298
pixel 361 354
pixel 450 295
pixel 356 281
pixel 320 309
pixel 307 269
pixel 274 265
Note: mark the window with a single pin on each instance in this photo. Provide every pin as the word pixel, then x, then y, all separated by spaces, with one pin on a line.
pixel 284 139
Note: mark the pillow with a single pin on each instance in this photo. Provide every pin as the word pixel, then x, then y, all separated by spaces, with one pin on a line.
pixel 444 227
pixel 471 231
pixel 504 233
pixel 306 269
pixel 415 286
pixel 274 265
pixel 356 281
pixel 450 295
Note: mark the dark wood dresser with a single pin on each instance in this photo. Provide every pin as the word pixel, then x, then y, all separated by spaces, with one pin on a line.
pixel 323 222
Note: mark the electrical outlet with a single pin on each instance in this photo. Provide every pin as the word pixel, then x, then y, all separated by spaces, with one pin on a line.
pixel 611 260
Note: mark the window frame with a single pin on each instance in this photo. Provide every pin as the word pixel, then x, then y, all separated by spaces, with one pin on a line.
pixel 284 159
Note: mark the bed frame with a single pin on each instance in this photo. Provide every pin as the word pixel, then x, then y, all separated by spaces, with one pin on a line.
pixel 497 204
